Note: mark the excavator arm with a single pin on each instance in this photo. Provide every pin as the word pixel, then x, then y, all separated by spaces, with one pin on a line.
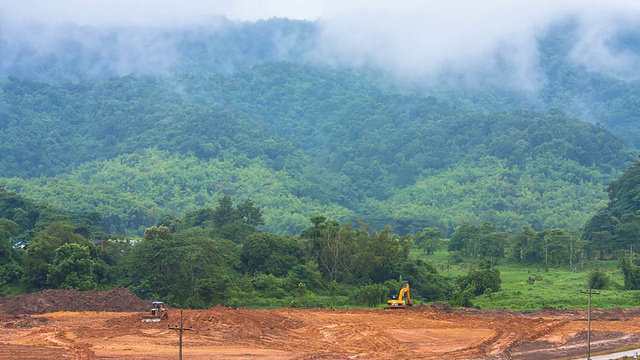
pixel 400 302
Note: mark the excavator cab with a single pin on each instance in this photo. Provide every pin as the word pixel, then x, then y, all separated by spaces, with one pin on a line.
pixel 402 300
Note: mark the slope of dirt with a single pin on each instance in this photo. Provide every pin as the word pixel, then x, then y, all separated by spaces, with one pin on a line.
pixel 118 300
pixel 77 325
pixel 224 333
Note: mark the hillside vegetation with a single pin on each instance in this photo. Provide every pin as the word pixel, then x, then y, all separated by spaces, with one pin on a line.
pixel 299 140
pixel 246 175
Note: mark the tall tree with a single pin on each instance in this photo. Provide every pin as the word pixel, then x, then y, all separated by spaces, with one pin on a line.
pixel 72 268
pixel 42 250
pixel 225 213
pixel 334 250
pixel 429 240
pixel 484 241
pixel 249 214
pixel 9 258
pixel 270 254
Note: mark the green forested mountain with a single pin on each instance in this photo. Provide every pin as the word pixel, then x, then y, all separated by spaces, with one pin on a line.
pixel 219 46
pixel 252 110
pixel 222 46
pixel 286 179
pixel 299 140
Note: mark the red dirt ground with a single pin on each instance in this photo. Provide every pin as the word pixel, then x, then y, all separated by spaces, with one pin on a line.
pixel 421 332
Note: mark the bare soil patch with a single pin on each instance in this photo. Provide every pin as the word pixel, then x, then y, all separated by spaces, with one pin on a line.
pixel 89 331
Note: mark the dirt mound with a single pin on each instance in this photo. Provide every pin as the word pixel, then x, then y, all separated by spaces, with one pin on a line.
pixel 442 307
pixel 117 300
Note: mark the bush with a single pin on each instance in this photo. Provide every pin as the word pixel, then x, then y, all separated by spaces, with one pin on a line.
pixel 426 283
pixel 371 295
pixel 455 257
pixel 462 298
pixel 599 280
pixel 486 277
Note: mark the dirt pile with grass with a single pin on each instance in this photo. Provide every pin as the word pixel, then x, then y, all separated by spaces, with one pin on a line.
pixel 116 300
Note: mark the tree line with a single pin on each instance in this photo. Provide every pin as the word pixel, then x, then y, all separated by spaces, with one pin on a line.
pixel 218 255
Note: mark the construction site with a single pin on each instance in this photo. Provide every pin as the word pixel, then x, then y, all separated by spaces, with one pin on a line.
pixel 67 324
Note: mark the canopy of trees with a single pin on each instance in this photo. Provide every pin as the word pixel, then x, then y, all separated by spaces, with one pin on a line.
pixel 299 140
pixel 617 226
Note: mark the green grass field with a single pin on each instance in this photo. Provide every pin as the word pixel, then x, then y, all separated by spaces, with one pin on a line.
pixel 533 288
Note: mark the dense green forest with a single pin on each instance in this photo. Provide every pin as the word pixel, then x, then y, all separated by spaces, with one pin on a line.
pixel 218 256
pixel 209 256
pixel 224 47
pixel 250 175
pixel 135 149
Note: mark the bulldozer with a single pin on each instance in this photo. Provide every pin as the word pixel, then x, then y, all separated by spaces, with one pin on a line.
pixel 399 302
pixel 158 312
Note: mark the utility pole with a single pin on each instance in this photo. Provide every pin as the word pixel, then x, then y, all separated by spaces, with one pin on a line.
pixel 180 330
pixel 589 293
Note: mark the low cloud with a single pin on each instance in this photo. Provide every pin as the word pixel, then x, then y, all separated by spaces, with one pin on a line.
pixel 414 40
pixel 478 41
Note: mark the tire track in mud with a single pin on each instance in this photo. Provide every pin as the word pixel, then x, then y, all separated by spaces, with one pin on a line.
pixel 299 331
pixel 78 351
pixel 526 331
pixel 422 333
pixel 507 331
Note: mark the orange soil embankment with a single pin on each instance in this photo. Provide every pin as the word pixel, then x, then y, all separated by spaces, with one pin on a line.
pixel 423 332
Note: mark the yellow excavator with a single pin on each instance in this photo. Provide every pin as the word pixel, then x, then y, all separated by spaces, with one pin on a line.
pixel 399 302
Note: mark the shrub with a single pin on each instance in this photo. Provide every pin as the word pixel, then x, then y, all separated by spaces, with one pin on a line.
pixel 486 277
pixel 599 280
pixel 455 257
pixel 462 298
pixel 371 295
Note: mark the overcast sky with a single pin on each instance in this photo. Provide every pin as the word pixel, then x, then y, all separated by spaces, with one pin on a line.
pixel 409 38
pixel 100 12
pixel 95 12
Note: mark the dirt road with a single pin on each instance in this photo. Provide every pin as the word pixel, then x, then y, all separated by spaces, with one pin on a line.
pixel 222 333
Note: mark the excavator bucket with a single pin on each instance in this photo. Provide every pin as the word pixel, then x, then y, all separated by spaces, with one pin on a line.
pixel 390 307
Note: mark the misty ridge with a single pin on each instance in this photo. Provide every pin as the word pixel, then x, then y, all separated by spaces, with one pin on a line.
pixel 427 55
pixel 393 123
pixel 572 63
pixel 63 53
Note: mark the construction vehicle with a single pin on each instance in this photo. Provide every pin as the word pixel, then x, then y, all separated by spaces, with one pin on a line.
pixel 158 312
pixel 399 302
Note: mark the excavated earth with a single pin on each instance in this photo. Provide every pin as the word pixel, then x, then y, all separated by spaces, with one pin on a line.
pixel 66 324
